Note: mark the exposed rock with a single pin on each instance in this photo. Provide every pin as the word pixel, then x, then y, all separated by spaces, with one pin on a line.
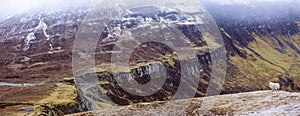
pixel 251 103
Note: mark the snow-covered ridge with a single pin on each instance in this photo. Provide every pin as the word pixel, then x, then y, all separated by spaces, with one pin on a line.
pixel 145 16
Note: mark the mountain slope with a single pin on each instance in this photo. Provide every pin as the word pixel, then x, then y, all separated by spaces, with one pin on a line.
pixel 262 44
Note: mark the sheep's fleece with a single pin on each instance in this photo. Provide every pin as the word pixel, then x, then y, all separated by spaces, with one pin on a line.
pixel 274 86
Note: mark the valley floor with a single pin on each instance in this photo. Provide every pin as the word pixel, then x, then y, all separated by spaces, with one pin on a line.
pixel 39 99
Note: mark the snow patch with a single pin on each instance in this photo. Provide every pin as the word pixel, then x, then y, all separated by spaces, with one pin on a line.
pixel 28 40
pixel 187 23
pixel 43 26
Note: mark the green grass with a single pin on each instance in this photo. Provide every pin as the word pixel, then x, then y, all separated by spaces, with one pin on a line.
pixel 263 64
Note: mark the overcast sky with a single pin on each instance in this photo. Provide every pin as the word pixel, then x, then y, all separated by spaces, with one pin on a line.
pixel 226 2
pixel 11 7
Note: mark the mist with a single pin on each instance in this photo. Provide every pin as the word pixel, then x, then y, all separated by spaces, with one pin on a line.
pixel 242 10
pixel 12 7
pixel 234 9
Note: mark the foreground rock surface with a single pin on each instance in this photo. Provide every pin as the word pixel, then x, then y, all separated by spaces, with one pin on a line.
pixel 251 103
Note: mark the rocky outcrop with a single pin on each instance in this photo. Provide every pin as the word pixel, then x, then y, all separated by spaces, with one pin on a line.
pixel 142 74
pixel 49 99
pixel 63 100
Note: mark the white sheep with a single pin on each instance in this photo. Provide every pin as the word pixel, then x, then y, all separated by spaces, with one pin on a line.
pixel 274 86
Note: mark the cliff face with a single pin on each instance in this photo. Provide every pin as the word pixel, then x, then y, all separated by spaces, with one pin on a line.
pixel 150 61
